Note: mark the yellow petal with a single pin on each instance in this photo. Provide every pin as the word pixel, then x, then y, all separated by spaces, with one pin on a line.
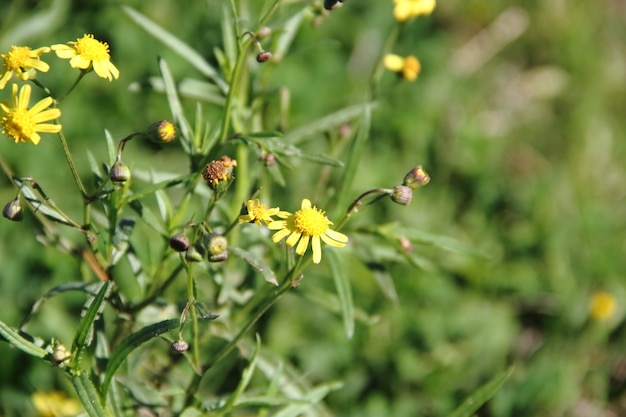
pixel 317 249
pixel 394 62
pixel 302 245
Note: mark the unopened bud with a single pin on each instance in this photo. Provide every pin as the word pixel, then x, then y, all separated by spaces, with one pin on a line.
pixel 179 243
pixel 193 255
pixel 60 355
pixel 416 177
pixel 217 248
pixel 264 32
pixel 332 4
pixel 263 56
pixel 405 243
pixel 13 210
pixel 162 131
pixel 180 346
pixel 269 159
pixel 119 172
pixel 402 195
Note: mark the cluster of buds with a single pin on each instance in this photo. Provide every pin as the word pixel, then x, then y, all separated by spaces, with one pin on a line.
pixel 214 245
pixel 415 178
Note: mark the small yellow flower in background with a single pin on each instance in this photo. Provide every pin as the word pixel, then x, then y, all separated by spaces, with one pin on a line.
pixel 55 404
pixel 21 123
pixel 22 62
pixel 406 9
pixel 409 67
pixel 307 224
pixel 257 212
pixel 88 52
pixel 602 306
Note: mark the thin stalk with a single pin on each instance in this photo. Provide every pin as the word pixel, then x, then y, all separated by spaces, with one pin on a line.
pixel 70 162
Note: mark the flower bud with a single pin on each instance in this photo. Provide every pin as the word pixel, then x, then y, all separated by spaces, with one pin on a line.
pixel 162 131
pixel 60 355
pixel 269 159
pixel 263 56
pixel 416 177
pixel 179 243
pixel 180 346
pixel 13 210
pixel 217 246
pixel 332 4
pixel 119 173
pixel 264 32
pixel 402 195
pixel 405 244
pixel 219 174
pixel 193 255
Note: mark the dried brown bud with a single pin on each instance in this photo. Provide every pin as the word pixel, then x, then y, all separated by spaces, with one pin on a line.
pixel 179 243
pixel 218 174
pixel 263 56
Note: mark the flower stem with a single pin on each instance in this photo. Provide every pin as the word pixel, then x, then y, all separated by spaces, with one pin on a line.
pixel 70 162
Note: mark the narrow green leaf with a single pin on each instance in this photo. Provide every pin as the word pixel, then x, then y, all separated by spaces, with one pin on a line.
pixel 151 188
pixel 286 37
pixel 313 397
pixel 246 377
pixel 111 147
pixel 177 45
pixel 16 338
pixel 147 216
pixel 86 322
pixel 88 395
pixel 257 263
pixel 70 286
pixel 342 283
pixel 482 395
pixel 442 242
pixel 132 342
pixel 175 106
pixel 165 206
pixel 282 148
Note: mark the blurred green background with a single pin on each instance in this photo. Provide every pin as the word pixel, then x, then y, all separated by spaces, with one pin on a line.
pixel 517 115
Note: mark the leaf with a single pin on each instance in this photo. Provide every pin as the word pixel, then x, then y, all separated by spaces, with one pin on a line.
pixel 84 327
pixel 17 339
pixel 246 377
pixel 111 148
pixel 283 148
pixel 342 284
pixel 147 216
pixel 132 342
pixel 88 395
pixel 256 263
pixel 442 242
pixel 313 397
pixel 482 394
pixel 286 37
pixel 187 88
pixel 175 106
pixel 41 206
pixel 177 45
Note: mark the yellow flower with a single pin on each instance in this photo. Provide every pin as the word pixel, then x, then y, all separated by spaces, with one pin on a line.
pixel 602 306
pixel 409 67
pixel 406 9
pixel 86 53
pixel 55 404
pixel 22 62
pixel 307 224
pixel 22 124
pixel 257 212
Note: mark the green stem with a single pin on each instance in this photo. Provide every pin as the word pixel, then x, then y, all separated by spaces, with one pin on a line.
pixel 80 77
pixel 191 296
pixel 70 162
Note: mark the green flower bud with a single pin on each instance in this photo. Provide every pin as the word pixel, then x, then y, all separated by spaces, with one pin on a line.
pixel 13 210
pixel 217 246
pixel 193 255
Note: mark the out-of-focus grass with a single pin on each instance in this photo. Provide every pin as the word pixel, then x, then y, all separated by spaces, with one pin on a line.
pixel 525 150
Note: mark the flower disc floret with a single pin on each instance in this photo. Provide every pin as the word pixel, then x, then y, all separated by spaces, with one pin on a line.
pixel 87 53
pixel 257 213
pixel 23 124
pixel 406 9
pixel 22 62
pixel 309 224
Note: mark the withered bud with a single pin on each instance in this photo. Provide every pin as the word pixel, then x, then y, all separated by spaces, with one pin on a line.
pixel 13 210
pixel 263 56
pixel 219 174
pixel 180 346
pixel 162 131
pixel 119 172
pixel 416 178
pixel 179 243
pixel 217 246
pixel 402 195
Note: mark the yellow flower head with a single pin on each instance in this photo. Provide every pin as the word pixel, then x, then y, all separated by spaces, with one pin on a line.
pixel 22 62
pixel 406 9
pixel 257 212
pixel 409 67
pixel 87 53
pixel 55 404
pixel 602 306
pixel 307 224
pixel 21 123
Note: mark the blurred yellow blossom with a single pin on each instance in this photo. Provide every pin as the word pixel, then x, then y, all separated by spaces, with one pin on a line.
pixel 88 52
pixel 22 62
pixel 257 212
pixel 602 306
pixel 21 123
pixel 409 66
pixel 307 224
pixel 55 404
pixel 406 9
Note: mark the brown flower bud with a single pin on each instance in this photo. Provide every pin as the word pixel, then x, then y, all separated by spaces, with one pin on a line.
pixel 263 56
pixel 119 173
pixel 179 243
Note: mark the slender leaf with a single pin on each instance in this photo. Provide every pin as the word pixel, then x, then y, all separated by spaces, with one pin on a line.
pixel 257 263
pixel 175 106
pixel 88 319
pixel 147 216
pixel 177 45
pixel 88 395
pixel 132 342
pixel 246 377
pixel 187 88
pixel 312 397
pixel 443 242
pixel 342 283
pixel 482 395
pixel 16 338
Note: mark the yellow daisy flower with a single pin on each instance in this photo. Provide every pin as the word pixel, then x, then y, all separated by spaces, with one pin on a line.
pixel 257 212
pixel 307 224
pixel 87 53
pixel 22 62
pixel 55 404
pixel 406 9
pixel 409 67
pixel 21 123
pixel 602 306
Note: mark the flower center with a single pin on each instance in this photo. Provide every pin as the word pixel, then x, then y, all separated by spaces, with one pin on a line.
pixel 259 211
pixel 92 49
pixel 310 221
pixel 17 58
pixel 19 124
